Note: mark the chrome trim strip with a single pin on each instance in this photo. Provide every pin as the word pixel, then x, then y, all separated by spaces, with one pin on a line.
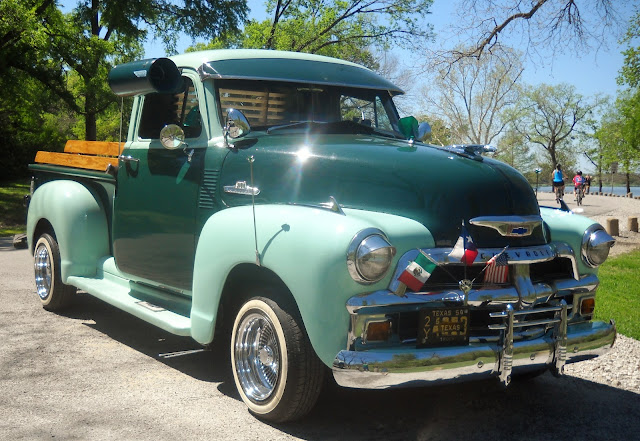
pixel 509 226
pixel 241 187
pixel 431 366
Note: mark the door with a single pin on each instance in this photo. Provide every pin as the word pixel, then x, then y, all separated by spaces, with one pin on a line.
pixel 156 198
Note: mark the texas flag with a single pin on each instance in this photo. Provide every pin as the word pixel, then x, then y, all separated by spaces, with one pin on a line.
pixel 464 250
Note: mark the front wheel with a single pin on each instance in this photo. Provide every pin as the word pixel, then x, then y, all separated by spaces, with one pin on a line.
pixel 275 369
pixel 53 294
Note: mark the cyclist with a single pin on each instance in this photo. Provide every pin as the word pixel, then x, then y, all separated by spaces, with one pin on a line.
pixel 578 183
pixel 558 182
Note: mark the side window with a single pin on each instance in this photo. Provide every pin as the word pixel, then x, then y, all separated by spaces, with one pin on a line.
pixel 364 111
pixel 181 108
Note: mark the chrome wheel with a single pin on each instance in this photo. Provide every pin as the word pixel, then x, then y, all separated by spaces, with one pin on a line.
pixel 257 356
pixel 42 263
pixel 54 295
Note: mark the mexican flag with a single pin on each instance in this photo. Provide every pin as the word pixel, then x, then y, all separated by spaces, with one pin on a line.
pixel 417 272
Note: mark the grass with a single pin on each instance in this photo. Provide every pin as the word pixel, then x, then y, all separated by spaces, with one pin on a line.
pixel 12 211
pixel 618 296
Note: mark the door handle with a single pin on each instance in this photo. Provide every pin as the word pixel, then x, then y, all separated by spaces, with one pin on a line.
pixel 128 158
pixel 189 153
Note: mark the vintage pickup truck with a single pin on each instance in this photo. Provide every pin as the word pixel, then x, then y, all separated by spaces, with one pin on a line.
pixel 278 202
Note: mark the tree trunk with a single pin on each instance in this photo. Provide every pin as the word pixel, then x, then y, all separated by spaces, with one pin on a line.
pixel 90 129
pixel 628 176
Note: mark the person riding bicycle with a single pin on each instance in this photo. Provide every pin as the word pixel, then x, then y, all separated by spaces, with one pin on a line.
pixel 558 182
pixel 578 183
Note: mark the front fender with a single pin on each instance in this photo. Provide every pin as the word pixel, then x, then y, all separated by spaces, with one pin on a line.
pixel 306 247
pixel 79 222
pixel 568 227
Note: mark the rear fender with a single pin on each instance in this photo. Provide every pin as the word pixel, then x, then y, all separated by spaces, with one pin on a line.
pixel 79 222
pixel 306 248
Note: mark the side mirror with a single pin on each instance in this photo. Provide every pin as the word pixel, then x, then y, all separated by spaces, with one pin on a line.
pixel 424 132
pixel 172 136
pixel 408 126
pixel 236 126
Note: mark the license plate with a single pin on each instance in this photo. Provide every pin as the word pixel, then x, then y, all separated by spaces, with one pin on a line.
pixel 443 327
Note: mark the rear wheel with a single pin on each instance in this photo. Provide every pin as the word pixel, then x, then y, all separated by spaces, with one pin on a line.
pixel 276 371
pixel 53 294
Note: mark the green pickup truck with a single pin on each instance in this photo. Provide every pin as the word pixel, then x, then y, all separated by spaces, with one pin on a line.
pixel 277 202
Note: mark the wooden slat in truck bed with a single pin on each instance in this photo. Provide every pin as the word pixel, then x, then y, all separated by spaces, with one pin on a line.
pixel 91 155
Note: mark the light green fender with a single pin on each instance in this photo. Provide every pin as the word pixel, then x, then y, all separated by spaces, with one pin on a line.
pixel 79 222
pixel 569 227
pixel 307 248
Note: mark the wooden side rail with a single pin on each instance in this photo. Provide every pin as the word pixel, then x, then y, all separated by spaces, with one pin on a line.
pixel 92 155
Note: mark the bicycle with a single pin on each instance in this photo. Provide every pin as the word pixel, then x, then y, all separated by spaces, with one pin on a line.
pixel 580 195
pixel 559 193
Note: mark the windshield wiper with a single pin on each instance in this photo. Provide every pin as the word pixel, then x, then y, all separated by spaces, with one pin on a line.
pixel 294 125
pixel 339 127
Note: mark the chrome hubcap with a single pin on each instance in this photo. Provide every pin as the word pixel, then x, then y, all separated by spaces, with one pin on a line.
pixel 257 356
pixel 43 271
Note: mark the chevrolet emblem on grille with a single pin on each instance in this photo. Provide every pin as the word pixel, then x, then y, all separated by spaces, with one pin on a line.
pixel 509 226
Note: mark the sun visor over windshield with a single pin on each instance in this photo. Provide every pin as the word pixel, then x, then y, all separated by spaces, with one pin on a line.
pixel 299 71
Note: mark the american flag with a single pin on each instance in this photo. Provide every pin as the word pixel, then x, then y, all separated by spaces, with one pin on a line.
pixel 497 270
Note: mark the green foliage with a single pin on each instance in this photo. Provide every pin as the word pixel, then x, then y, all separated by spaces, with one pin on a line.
pixel 549 116
pixel 618 297
pixel 12 211
pixel 54 66
pixel 344 29
pixel 440 131
pixel 630 72
pixel 619 133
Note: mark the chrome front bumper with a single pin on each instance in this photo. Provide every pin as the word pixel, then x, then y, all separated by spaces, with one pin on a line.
pixel 394 367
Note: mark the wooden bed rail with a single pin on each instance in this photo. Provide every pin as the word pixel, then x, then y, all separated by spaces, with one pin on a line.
pixel 91 155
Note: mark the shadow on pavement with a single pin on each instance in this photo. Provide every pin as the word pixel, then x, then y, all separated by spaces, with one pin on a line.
pixel 545 408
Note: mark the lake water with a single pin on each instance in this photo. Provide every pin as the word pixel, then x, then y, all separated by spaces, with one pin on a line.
pixel 622 191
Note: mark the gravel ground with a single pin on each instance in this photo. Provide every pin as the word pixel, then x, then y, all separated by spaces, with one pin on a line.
pixel 97 373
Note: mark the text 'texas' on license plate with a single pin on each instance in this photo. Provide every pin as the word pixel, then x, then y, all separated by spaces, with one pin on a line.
pixel 443 327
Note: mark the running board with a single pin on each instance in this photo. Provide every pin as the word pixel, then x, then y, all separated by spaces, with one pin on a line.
pixel 161 309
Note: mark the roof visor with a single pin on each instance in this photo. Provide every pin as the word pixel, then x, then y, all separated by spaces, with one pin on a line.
pixel 297 71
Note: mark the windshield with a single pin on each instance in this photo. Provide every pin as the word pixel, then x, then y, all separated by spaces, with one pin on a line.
pixel 283 106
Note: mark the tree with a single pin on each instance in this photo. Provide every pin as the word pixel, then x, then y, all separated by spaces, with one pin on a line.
pixel 346 29
pixel 556 24
pixel 473 94
pixel 514 150
pixel 548 116
pixel 99 33
pixel 619 134
pixel 630 72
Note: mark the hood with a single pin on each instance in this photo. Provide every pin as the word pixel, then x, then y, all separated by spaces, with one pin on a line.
pixel 431 185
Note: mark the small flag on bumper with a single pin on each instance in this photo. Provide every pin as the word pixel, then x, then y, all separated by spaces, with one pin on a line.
pixel 417 272
pixel 497 269
pixel 464 250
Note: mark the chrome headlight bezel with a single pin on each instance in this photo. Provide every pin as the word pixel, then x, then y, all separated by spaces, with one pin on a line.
pixel 368 243
pixel 596 243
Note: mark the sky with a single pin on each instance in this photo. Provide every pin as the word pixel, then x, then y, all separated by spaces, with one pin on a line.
pixel 591 73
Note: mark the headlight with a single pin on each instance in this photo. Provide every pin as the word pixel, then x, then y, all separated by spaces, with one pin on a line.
pixel 596 244
pixel 369 256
